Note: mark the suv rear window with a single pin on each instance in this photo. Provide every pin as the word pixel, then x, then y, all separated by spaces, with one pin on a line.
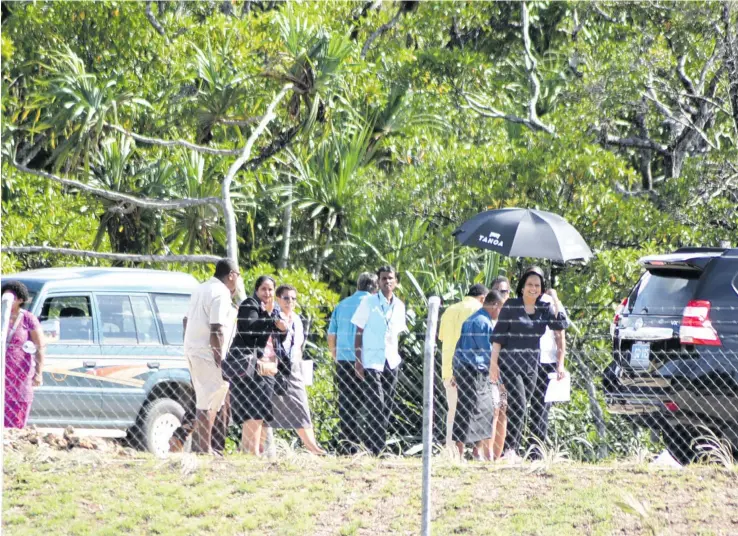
pixel 663 292
pixel 171 309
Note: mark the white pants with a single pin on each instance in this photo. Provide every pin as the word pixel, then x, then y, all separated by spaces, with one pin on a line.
pixel 207 379
pixel 452 397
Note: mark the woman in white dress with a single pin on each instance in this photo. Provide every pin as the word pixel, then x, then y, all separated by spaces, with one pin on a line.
pixel 290 410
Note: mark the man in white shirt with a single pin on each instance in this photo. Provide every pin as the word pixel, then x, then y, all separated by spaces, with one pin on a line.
pixel 379 320
pixel 550 362
pixel 208 329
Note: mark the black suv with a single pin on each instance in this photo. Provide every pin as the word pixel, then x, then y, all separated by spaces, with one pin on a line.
pixel 675 348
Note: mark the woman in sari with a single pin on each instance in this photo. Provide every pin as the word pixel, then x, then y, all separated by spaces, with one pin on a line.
pixel 24 357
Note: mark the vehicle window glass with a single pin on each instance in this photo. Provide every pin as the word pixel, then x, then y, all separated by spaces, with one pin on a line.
pixel 145 322
pixel 171 309
pixel 663 293
pixel 116 317
pixel 67 319
pixel 29 304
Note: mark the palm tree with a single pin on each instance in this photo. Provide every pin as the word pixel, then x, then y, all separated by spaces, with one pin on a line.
pixel 115 166
pixel 74 105
pixel 199 228
pixel 326 188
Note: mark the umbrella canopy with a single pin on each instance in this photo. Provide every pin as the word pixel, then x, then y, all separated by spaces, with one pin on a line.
pixel 524 232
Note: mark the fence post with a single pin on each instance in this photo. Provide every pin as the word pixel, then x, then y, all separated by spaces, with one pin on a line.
pixel 7 304
pixel 429 372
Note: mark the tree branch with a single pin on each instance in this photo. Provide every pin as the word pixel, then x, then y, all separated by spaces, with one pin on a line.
pixel 239 122
pixel 280 142
pixel 598 9
pixel 152 19
pixel 634 142
pixel 530 68
pixel 125 257
pixel 174 143
pixel 229 216
pixel 686 80
pixel 380 31
pixel 532 121
pixel 494 113
pixel 142 202
pixel 651 194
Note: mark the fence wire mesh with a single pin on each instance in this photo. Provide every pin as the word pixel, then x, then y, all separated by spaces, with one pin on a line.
pixel 665 380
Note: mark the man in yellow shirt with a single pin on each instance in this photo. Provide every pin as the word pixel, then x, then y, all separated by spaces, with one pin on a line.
pixel 449 333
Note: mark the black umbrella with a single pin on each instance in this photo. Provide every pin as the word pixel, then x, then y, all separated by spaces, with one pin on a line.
pixel 524 232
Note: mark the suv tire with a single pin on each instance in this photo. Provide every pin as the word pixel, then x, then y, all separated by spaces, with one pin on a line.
pixel 159 419
pixel 678 441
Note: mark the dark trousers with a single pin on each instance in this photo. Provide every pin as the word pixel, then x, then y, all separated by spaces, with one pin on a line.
pixel 538 408
pixel 379 400
pixel 520 380
pixel 220 426
pixel 350 400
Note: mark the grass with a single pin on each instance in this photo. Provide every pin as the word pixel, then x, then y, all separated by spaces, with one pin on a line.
pixel 83 492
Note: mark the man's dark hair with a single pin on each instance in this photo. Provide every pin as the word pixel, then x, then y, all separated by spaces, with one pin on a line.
pixel 17 288
pixel 477 290
pixel 224 268
pixel 367 282
pixel 493 297
pixel 499 279
pixel 282 289
pixel 263 279
pixel 387 269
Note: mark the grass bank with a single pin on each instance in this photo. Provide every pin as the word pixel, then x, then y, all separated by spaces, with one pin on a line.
pixel 88 492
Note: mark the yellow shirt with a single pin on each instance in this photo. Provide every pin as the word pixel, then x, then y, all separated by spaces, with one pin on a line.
pixel 450 330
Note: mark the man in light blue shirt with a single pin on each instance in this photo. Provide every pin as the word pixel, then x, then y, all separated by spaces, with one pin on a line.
pixel 341 334
pixel 379 321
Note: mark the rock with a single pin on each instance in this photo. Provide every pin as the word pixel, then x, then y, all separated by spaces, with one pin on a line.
pixel 87 443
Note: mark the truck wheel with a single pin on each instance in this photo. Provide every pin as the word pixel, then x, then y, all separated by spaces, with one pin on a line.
pixel 159 419
pixel 678 441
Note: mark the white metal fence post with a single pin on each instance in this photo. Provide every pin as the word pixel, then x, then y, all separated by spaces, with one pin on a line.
pixel 434 304
pixel 7 304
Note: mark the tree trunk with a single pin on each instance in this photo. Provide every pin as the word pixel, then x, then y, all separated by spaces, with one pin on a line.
pixel 287 229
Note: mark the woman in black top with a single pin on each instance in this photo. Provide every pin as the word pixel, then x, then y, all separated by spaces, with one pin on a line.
pixel 260 331
pixel 516 341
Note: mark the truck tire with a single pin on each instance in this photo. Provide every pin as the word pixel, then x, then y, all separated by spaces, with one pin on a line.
pixel 159 419
pixel 678 441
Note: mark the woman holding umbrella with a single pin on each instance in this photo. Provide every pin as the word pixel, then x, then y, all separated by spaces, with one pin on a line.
pixel 516 347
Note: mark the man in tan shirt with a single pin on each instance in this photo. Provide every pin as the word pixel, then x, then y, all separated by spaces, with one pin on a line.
pixel 208 327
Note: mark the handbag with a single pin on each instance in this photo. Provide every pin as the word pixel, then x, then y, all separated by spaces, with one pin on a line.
pixel 238 364
pixel 266 368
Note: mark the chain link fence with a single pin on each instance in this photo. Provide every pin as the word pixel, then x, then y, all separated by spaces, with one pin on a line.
pixel 634 390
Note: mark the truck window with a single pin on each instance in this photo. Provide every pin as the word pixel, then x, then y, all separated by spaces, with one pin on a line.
pixel 170 310
pixel 145 321
pixel 116 318
pixel 71 315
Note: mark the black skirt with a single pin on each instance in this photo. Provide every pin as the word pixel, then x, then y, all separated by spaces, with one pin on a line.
pixel 251 398
pixel 475 410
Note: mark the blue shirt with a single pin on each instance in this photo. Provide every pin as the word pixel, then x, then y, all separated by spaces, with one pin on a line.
pixel 342 327
pixel 474 348
pixel 382 322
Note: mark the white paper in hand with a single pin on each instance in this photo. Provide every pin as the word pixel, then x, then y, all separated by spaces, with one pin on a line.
pixel 307 372
pixel 558 390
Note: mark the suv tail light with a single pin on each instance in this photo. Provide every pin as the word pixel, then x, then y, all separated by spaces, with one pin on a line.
pixel 619 311
pixel 696 327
